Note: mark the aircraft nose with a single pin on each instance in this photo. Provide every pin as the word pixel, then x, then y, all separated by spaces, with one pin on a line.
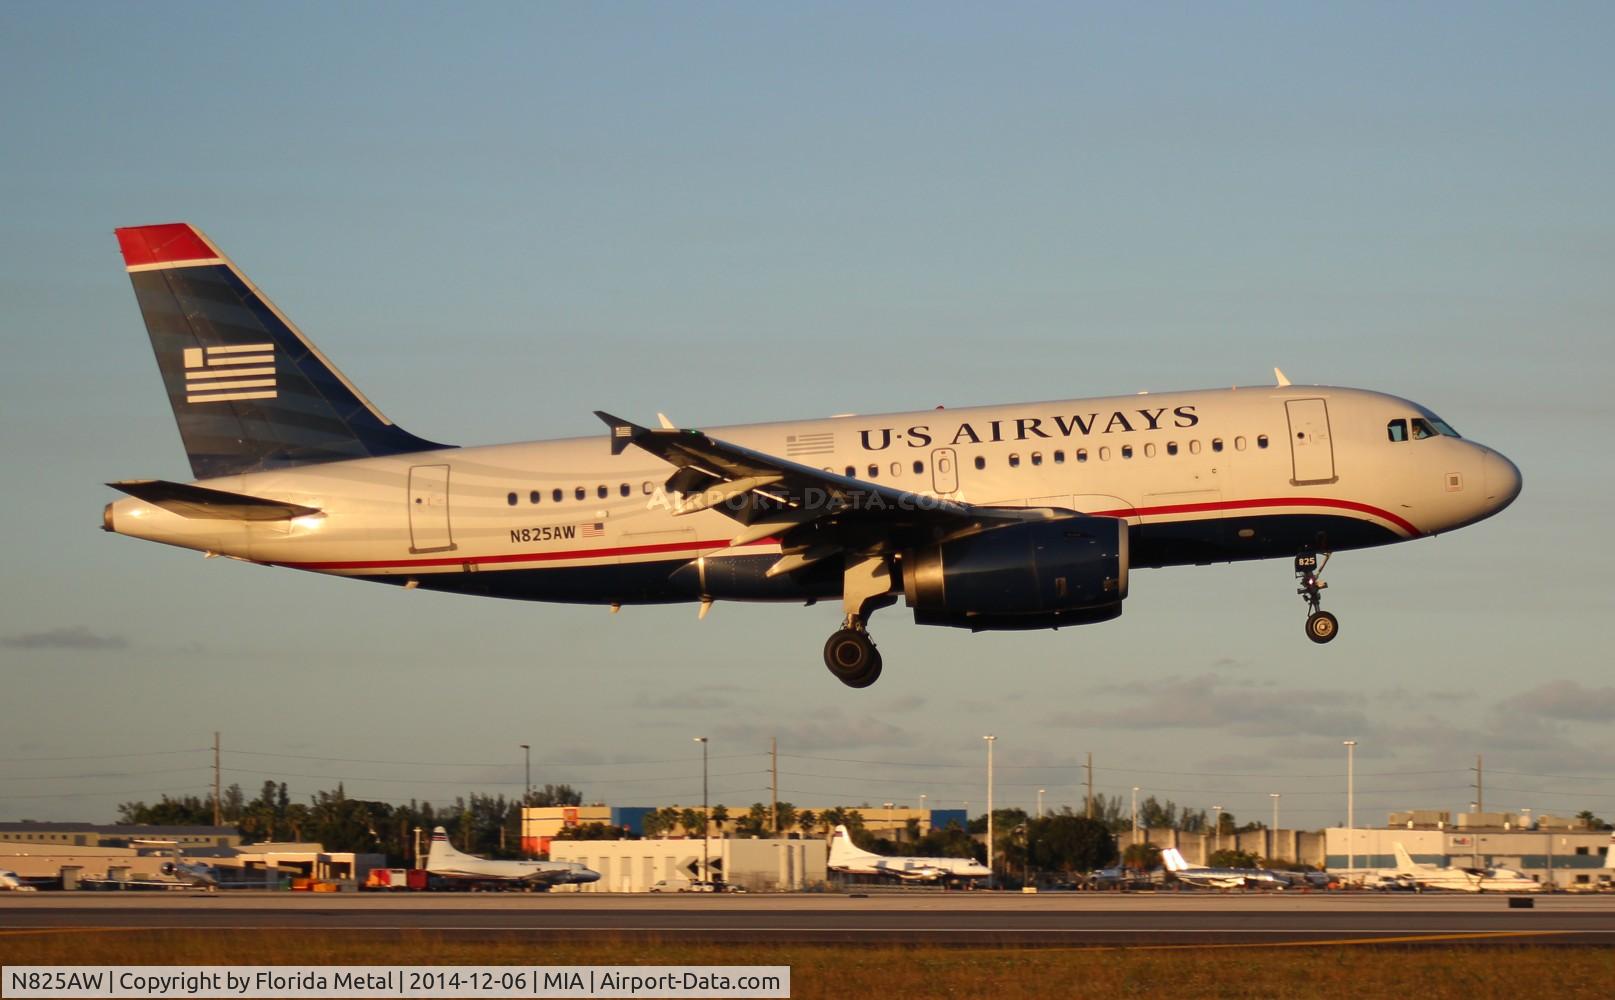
pixel 1502 478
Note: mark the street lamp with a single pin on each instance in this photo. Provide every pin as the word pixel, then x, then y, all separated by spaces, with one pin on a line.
pixel 1217 827
pixel 1274 851
pixel 925 817
pixel 990 869
pixel 706 843
pixel 1040 803
pixel 1135 815
pixel 1351 815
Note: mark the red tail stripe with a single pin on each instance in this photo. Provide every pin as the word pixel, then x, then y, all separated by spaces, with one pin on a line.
pixel 162 244
pixel 721 543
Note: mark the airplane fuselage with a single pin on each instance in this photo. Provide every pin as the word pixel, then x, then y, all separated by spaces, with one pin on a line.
pixel 1200 477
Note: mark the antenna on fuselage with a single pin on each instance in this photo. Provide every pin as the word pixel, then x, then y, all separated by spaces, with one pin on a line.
pixel 1278 374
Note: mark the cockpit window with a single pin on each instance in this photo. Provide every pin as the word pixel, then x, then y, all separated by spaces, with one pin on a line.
pixel 1444 428
pixel 1397 430
pixel 1422 429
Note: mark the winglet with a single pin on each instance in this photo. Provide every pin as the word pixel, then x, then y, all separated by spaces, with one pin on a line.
pixel 623 431
pixel 1279 375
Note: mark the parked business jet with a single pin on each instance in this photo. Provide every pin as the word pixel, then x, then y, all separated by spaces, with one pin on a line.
pixel 444 861
pixel 1221 878
pixel 848 859
pixel 1023 516
pixel 1459 879
pixel 10 881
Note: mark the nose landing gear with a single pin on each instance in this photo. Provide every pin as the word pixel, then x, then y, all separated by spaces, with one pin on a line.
pixel 1321 625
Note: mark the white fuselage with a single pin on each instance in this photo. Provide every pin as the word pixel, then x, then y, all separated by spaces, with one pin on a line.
pixel 1202 476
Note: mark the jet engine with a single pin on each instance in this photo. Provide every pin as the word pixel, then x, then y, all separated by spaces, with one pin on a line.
pixel 1029 575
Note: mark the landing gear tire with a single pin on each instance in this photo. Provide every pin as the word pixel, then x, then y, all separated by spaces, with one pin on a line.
pixel 1322 626
pixel 852 658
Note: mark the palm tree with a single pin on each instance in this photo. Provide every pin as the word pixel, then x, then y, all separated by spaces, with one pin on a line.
pixel 720 816
pixel 692 821
pixel 784 817
pixel 807 821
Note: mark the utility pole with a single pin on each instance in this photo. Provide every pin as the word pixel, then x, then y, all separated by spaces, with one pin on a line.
pixel 218 804
pixel 418 863
pixel 991 880
pixel 706 842
pixel 1480 798
pixel 1217 827
pixel 773 786
pixel 1351 815
pixel 1088 805
pixel 527 753
pixel 1274 853
pixel 1040 803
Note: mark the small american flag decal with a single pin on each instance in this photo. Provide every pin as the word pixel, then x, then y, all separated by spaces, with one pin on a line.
pixel 592 530
pixel 230 372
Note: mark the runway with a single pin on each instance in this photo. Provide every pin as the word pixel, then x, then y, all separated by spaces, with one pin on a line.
pixel 970 919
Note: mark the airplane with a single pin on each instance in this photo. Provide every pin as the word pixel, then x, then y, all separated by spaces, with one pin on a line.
pixel 10 881
pixel 848 859
pixel 1424 876
pixel 186 872
pixel 1222 878
pixel 444 861
pixel 1021 516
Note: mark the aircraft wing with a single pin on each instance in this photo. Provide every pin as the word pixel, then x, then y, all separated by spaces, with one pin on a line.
pixel 814 513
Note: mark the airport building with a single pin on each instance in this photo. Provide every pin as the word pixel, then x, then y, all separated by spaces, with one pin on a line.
pixel 115 835
pixel 772 865
pixel 1558 851
pixel 542 824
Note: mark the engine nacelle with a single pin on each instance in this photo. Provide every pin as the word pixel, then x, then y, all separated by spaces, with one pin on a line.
pixel 1034 574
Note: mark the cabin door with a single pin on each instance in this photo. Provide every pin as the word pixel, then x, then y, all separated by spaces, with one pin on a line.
pixel 429 509
pixel 1311 450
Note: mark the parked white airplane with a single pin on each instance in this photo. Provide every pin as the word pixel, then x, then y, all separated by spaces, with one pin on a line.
pixel 1221 878
pixel 193 873
pixel 1459 879
pixel 845 857
pixel 10 881
pixel 1023 516
pixel 444 861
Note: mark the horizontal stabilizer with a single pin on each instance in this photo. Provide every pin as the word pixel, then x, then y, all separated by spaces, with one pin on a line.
pixel 201 502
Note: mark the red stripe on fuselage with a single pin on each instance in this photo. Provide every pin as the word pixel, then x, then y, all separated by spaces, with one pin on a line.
pixel 163 244
pixel 721 543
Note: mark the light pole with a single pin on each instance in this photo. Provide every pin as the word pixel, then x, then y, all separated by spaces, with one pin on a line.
pixel 418 848
pixel 1040 803
pixel 1135 815
pixel 1217 828
pixel 1273 853
pixel 925 817
pixel 991 884
pixel 1351 815
pixel 706 859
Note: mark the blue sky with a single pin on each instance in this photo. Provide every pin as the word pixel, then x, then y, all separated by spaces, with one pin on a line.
pixel 498 218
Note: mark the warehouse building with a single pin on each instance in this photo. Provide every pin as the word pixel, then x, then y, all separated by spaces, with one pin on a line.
pixel 637 865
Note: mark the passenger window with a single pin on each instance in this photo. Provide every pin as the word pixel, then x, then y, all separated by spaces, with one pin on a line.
pixel 897 469
pixel 1014 460
pixel 1261 440
pixel 580 493
pixel 1422 429
pixel 1171 447
pixel 1037 458
pixel 919 467
pixel 648 488
pixel 601 491
pixel 852 472
pixel 1194 447
pixel 533 497
pixel 1149 450
pixel 1397 430
pixel 1127 451
pixel 1104 454
pixel 1082 454
pixel 1216 444
pixel 874 471
pixel 1239 444
pixel 1059 457
pixel 557 495
pixel 624 489
pixel 510 498
pixel 981 463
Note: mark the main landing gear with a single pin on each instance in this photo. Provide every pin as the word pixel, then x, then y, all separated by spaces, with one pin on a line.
pixel 1321 625
pixel 850 653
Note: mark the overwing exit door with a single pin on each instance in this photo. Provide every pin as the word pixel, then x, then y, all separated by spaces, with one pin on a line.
pixel 944 470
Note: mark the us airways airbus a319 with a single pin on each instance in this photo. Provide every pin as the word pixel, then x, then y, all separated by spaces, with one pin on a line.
pixel 1023 516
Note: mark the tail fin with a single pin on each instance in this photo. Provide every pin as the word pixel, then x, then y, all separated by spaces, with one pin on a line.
pixel 249 391
pixel 842 849
pixel 441 852
pixel 1174 860
pixel 1404 860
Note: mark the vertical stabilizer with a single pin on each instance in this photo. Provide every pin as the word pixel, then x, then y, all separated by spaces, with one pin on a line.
pixel 843 851
pixel 1404 861
pixel 249 391
pixel 441 853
